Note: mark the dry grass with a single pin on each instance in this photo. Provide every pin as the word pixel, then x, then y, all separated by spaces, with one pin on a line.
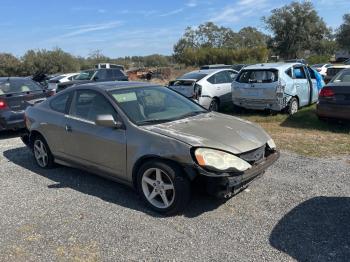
pixel 304 133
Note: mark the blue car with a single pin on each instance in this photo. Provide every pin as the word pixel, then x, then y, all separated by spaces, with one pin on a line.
pixel 276 87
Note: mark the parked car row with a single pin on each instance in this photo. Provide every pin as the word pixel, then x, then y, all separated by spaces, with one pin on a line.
pixel 277 87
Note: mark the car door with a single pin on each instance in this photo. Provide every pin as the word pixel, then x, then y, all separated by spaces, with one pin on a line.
pixel 301 84
pixel 55 124
pixel 314 87
pixel 221 86
pixel 101 148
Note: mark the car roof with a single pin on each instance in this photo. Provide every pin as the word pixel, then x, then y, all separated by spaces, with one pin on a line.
pixel 209 71
pixel 281 66
pixel 113 85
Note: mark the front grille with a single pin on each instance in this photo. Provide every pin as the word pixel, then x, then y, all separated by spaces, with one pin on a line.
pixel 255 156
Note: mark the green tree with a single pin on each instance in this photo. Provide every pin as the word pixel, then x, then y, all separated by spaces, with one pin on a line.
pixel 343 33
pixel 296 27
pixel 9 65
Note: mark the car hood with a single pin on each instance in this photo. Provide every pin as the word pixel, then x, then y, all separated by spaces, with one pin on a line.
pixel 215 130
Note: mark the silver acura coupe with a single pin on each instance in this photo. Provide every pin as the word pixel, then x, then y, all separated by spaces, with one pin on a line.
pixel 150 138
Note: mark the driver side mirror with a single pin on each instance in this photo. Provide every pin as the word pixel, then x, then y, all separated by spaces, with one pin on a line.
pixel 108 121
pixel 95 78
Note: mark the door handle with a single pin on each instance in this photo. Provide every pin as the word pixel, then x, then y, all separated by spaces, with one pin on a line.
pixel 68 128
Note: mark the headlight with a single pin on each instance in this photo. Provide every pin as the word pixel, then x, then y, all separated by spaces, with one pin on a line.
pixel 271 144
pixel 215 159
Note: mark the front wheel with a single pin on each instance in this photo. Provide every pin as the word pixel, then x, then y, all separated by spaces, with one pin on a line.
pixel 163 187
pixel 42 153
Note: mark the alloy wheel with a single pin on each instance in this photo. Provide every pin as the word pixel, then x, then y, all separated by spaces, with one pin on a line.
pixel 158 188
pixel 294 107
pixel 40 153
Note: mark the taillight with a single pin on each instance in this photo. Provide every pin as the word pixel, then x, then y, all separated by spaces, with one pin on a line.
pixel 197 91
pixel 326 92
pixel 3 105
pixel 51 92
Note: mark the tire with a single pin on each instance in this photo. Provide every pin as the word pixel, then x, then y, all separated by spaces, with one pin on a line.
pixel 214 105
pixel 293 106
pixel 42 153
pixel 173 186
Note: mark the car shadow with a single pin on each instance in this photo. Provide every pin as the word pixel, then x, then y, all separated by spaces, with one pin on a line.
pixel 306 118
pixel 316 230
pixel 11 134
pixel 91 184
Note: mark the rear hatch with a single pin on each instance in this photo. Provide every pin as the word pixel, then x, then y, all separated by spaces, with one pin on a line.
pixel 256 84
pixel 18 94
pixel 183 86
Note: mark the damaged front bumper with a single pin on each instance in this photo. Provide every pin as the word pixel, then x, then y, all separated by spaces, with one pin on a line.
pixel 225 185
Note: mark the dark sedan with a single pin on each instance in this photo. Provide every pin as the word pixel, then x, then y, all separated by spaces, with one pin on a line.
pixel 334 98
pixel 16 94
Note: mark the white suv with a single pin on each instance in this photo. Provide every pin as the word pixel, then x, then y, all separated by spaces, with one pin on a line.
pixel 210 88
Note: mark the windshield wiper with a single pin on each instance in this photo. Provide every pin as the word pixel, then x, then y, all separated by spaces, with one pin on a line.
pixel 193 113
pixel 155 121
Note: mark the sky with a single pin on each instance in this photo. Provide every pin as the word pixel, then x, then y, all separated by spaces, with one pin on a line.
pixel 127 28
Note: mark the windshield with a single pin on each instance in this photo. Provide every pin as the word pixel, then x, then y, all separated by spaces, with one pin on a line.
pixel 151 105
pixel 341 77
pixel 197 76
pixel 8 86
pixel 85 75
pixel 258 76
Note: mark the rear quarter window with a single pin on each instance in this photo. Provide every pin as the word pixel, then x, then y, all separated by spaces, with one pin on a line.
pixel 258 76
pixel 59 103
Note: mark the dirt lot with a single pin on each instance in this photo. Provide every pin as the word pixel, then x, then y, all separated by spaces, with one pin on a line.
pixel 299 210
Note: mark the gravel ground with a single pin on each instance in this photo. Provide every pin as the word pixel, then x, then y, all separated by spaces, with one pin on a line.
pixel 299 210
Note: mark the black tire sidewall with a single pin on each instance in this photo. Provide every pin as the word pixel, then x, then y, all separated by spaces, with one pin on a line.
pixel 180 182
pixel 214 102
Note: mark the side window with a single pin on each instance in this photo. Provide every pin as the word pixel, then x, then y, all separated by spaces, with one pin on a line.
pixel 289 72
pixel 88 105
pixel 212 79
pixel 110 74
pixel 231 75
pixel 222 77
pixel 312 73
pixel 299 73
pixel 59 103
pixel 101 74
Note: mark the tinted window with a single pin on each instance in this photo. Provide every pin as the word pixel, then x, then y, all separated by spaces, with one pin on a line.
pixel 59 103
pixel 312 73
pixel 18 86
pixel 231 75
pixel 343 76
pixel 86 75
pixel 299 73
pixel 196 76
pixel 258 76
pixel 289 72
pixel 149 105
pixel 89 104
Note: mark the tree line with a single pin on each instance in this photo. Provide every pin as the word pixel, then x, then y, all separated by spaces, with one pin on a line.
pixel 295 31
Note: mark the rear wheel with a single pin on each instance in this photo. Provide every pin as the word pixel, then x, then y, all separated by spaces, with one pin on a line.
pixel 42 154
pixel 293 106
pixel 163 187
pixel 214 105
